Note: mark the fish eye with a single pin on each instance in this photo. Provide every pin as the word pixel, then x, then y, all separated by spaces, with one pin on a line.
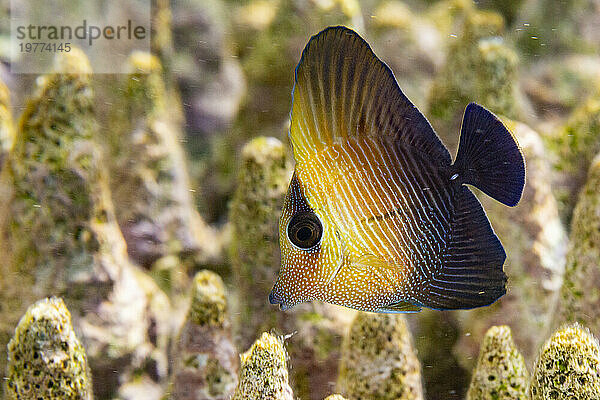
pixel 305 230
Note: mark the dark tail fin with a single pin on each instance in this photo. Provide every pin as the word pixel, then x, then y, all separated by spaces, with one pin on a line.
pixel 489 157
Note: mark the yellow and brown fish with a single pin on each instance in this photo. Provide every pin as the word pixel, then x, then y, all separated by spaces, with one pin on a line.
pixel 377 217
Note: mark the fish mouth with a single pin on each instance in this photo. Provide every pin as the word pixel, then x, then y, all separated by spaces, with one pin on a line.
pixel 274 299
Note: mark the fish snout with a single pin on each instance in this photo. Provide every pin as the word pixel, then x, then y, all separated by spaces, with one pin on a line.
pixel 275 299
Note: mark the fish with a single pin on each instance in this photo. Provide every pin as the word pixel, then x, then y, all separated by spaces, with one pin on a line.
pixel 377 216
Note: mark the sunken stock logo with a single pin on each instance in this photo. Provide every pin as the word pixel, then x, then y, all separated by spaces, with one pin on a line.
pixel 86 32
pixel 45 33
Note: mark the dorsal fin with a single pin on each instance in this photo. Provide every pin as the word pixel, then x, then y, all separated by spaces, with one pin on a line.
pixel 343 90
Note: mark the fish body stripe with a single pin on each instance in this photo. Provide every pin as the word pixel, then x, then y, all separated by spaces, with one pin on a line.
pixel 373 191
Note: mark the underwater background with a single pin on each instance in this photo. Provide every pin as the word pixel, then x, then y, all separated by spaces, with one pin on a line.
pixel 138 213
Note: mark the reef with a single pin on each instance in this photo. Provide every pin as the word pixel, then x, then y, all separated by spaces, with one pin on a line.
pixel 254 216
pixel 379 360
pixel 150 184
pixel 149 203
pixel 574 145
pixel 46 360
pixel 60 235
pixel 567 367
pixel 204 357
pixel 500 373
pixel 263 371
pixel 580 293
pixel 479 67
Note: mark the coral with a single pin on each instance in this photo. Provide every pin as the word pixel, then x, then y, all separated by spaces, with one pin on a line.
pixel 536 244
pixel 263 371
pixel 500 373
pixel 568 366
pixel 479 67
pixel 580 293
pixel 212 85
pixel 208 300
pixel 255 259
pixel 315 348
pixel 575 145
pixel 335 397
pixel 254 215
pixel 379 361
pixel 497 77
pixel 45 358
pixel 7 132
pixel 448 16
pixel 204 358
pixel 60 235
pixel 149 178
pixel 209 79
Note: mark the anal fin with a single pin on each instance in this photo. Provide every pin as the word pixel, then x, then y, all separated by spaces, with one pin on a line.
pixel 471 274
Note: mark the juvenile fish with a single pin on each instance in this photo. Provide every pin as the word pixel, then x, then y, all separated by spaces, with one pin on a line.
pixel 377 216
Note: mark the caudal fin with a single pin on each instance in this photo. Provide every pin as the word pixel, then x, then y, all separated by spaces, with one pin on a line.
pixel 489 157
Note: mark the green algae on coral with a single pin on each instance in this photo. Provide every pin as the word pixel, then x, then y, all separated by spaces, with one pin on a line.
pixel 580 293
pixel 162 35
pixel 45 358
pixel 457 81
pixel 254 215
pixel 479 67
pixel 209 304
pixel 46 197
pixel 497 77
pixel 379 361
pixel 60 235
pixel 263 371
pixel 204 358
pixel 500 373
pixel 575 145
pixel 150 183
pixel 316 346
pixel 568 366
